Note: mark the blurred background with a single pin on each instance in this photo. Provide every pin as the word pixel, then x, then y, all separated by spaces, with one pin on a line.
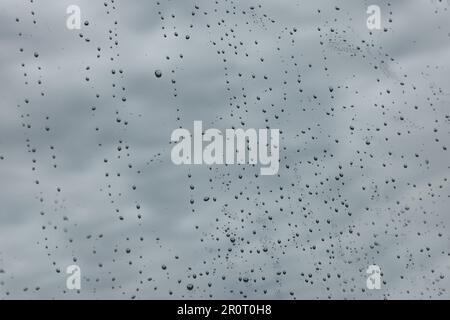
pixel 86 177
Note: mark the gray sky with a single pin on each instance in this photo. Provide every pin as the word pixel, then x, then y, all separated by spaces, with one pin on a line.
pixel 87 179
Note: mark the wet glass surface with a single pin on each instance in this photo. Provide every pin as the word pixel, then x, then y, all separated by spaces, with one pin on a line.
pixel 86 117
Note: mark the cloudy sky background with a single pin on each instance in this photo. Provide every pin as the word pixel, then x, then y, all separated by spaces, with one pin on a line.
pixel 368 199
